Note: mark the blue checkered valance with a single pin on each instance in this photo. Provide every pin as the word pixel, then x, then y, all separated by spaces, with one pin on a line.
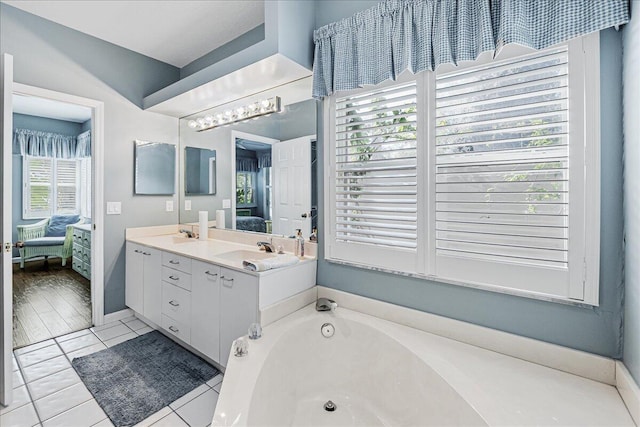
pixel 381 42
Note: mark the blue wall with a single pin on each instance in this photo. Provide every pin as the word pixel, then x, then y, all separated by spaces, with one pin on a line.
pixel 597 330
pixel 23 121
pixel 631 66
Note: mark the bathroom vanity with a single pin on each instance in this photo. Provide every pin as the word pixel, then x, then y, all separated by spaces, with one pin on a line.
pixel 199 292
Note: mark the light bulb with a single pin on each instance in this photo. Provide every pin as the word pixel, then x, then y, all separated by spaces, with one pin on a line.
pixel 228 113
pixel 208 119
pixel 200 121
pixel 192 124
pixel 265 103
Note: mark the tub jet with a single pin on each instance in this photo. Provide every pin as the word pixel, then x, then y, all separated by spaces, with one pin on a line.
pixel 329 406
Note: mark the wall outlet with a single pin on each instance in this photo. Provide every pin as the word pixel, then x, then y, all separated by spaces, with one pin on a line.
pixel 226 203
pixel 169 206
pixel 187 205
pixel 114 208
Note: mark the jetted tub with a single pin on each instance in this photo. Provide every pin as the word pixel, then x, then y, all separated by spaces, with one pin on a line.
pixel 378 373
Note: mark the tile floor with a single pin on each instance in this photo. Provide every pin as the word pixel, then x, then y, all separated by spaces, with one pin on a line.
pixel 48 392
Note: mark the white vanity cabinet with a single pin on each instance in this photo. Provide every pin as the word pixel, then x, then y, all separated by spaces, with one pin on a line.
pixel 238 307
pixel 205 308
pixel 143 278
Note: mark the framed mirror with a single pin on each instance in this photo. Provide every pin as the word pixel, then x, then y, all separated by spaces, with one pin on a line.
pixel 155 168
pixel 199 171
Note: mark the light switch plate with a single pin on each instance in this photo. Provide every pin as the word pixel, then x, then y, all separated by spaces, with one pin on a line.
pixel 187 205
pixel 226 203
pixel 114 208
pixel 169 206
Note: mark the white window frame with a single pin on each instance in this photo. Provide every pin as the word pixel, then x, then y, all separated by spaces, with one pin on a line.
pixel 254 187
pixel 584 208
pixel 27 213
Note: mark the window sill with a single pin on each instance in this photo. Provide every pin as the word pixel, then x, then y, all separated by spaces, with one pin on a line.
pixel 484 287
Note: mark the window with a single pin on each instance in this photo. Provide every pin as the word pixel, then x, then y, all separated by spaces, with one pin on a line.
pixel 473 174
pixel 56 186
pixel 245 189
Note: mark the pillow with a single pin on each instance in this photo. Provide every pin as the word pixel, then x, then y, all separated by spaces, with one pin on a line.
pixel 58 225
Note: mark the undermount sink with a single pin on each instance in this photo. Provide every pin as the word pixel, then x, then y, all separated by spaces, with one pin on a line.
pixel 243 254
pixel 183 239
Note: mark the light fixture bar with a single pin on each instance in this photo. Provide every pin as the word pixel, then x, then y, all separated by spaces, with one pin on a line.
pixel 238 114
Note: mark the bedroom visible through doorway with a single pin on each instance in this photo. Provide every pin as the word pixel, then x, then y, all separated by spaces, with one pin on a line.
pixel 52 211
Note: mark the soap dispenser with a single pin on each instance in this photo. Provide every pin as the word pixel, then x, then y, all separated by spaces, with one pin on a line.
pixel 299 243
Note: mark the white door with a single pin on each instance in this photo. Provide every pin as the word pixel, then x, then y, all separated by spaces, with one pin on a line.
pixel 6 330
pixel 291 162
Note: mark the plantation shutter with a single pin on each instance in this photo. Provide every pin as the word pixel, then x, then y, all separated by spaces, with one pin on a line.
pixel 502 172
pixel 66 186
pixel 38 198
pixel 374 196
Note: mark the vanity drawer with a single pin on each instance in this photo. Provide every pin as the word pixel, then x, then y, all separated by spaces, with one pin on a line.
pixel 177 262
pixel 175 277
pixel 176 303
pixel 176 328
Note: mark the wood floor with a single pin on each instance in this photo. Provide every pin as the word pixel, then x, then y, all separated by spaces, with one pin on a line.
pixel 48 301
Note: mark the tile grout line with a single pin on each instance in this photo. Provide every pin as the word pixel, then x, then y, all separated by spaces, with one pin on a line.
pixel 31 401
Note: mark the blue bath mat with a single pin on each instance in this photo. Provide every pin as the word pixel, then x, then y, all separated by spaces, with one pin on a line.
pixel 137 378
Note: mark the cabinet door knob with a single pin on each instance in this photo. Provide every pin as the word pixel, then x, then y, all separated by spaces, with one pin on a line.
pixel 173 277
pixel 173 303
pixel 137 251
pixel 208 273
pixel 146 253
pixel 174 329
pixel 174 262
pixel 226 280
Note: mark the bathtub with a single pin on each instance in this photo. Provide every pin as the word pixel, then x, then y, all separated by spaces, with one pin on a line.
pixel 378 373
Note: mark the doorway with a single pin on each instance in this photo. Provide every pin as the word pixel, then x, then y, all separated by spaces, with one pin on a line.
pixel 51 203
pixel 59 291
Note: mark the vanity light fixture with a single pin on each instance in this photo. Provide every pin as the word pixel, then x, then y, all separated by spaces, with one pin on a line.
pixel 240 114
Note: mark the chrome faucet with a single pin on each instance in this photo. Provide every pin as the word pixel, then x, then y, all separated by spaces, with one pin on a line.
pixel 326 304
pixel 267 246
pixel 190 234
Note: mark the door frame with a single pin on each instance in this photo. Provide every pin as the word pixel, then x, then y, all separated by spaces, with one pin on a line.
pixel 243 135
pixel 97 193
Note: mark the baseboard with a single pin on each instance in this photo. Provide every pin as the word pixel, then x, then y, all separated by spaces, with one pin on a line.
pixel 118 315
pixel 554 356
pixel 629 390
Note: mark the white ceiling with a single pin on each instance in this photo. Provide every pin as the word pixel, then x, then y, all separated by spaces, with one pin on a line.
pixel 175 32
pixel 50 109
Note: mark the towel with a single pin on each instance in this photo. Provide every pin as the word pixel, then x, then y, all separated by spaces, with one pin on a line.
pixel 270 263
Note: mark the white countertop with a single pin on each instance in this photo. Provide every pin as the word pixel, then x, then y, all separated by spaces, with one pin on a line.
pixel 206 250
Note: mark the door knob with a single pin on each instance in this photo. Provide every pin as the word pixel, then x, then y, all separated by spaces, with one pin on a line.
pixel 304 215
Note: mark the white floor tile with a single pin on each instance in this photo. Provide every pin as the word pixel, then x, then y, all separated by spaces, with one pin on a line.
pixel 128 319
pixel 84 415
pixel 17 379
pixel 40 355
pixel 104 423
pixel 136 324
pixel 217 387
pixel 215 381
pixel 42 369
pixel 121 338
pixel 199 411
pixel 73 335
pixel 105 326
pixel 20 398
pixel 61 401
pixel 189 396
pixel 155 417
pixel 86 350
pixel 24 416
pixel 171 420
pixel 115 331
pixel 15 364
pixel 53 383
pixel 79 342
pixel 33 347
pixel 144 330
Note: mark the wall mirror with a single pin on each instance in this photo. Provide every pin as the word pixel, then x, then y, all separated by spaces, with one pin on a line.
pixel 265 166
pixel 200 171
pixel 155 168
